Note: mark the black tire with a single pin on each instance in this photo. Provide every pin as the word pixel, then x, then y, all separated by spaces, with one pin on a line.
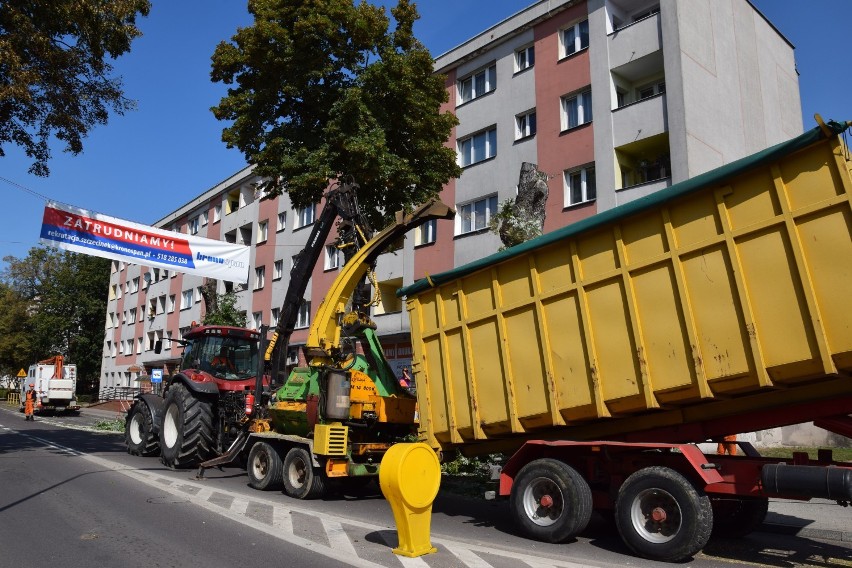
pixel 550 501
pixel 186 435
pixel 735 517
pixel 661 515
pixel 265 468
pixel 301 479
pixel 139 431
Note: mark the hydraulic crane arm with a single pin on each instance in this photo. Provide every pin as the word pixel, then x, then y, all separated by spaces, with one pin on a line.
pixel 324 335
pixel 340 202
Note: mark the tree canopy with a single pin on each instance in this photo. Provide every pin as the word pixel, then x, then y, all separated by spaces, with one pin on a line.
pixel 55 70
pixel 54 303
pixel 324 90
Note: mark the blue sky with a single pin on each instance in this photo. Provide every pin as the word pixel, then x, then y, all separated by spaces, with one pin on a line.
pixel 143 165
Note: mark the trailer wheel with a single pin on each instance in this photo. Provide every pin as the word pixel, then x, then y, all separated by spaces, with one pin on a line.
pixel 265 468
pixel 139 431
pixel 661 515
pixel 301 479
pixel 186 437
pixel 737 517
pixel 550 501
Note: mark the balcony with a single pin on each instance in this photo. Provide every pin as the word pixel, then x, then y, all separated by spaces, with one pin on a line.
pixel 637 121
pixel 635 41
pixel 645 163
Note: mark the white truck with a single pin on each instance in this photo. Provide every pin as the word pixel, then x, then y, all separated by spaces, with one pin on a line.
pixel 55 383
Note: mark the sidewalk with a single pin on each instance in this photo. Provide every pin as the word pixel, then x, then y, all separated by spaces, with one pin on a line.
pixel 818 518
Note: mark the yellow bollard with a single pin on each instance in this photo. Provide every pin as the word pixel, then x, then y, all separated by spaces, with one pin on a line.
pixel 410 475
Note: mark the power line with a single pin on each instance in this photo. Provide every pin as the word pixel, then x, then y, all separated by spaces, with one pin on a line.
pixel 26 189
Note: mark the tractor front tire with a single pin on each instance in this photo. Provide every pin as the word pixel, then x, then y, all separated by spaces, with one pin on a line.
pixel 139 431
pixel 186 437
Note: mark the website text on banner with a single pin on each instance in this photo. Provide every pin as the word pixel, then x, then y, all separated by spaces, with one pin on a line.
pixel 78 230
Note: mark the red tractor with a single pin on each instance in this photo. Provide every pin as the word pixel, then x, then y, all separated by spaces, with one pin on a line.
pixel 204 405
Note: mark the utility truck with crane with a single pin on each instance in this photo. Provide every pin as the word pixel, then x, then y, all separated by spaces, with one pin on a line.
pixel 55 383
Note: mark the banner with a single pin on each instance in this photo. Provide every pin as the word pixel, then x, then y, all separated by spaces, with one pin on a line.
pixel 78 230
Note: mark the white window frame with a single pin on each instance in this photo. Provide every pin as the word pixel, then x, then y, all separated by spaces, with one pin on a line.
pixel 467 147
pixel 274 314
pixel 193 225
pixel 426 233
pixel 586 192
pixel 204 218
pixel 278 270
pixel 257 319
pixel 525 125
pixel 259 277
pixel 217 213
pixel 171 303
pixel 281 222
pixel 186 299
pixel 332 257
pixel 524 58
pixel 571 39
pixel 131 316
pixel 262 231
pixel 477 84
pixel 476 215
pixel 583 101
pixel 656 88
pixel 303 318
pixel 305 216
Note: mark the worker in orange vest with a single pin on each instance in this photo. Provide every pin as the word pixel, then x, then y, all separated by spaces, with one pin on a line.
pixel 728 445
pixel 29 403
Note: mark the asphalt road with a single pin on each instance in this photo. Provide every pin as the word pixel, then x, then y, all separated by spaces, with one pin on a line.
pixel 73 496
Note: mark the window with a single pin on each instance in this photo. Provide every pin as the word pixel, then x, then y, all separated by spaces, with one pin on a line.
pixel 576 110
pixel 525 125
pixel 232 201
pixel 332 257
pixel 580 186
pixel 186 300
pixel 425 233
pixel 131 316
pixel 278 270
pixel 152 338
pixel 139 346
pixel 648 91
pixel 303 319
pixel 575 38
pixel 257 319
pixel 194 224
pixel 152 308
pixel 217 213
pixel 477 214
pixel 262 231
pixel 478 84
pixel 134 285
pixel 259 277
pixel 524 58
pixel 274 319
pixel 305 216
pixel 198 295
pixel 282 221
pixel 204 217
pixel 167 344
pixel 478 147
pixel 245 234
pixel 646 13
pixel 171 303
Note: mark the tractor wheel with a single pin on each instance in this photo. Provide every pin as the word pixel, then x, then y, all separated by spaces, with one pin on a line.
pixel 301 479
pixel 186 437
pixel 737 517
pixel 661 515
pixel 550 501
pixel 265 469
pixel 139 431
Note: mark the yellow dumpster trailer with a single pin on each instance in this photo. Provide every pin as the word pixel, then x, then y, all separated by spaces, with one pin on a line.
pixel 600 354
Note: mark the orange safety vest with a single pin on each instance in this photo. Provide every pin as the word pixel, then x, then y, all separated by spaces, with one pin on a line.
pixel 29 402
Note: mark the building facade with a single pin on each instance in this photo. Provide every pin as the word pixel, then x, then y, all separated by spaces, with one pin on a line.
pixel 612 99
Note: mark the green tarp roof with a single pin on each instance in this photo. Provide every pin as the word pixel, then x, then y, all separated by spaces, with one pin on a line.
pixel 711 178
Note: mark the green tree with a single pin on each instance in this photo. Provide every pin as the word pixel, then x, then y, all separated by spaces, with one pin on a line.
pixel 55 71
pixel 225 312
pixel 14 332
pixel 66 297
pixel 323 90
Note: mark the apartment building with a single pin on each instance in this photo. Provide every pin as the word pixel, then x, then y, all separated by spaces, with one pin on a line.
pixel 612 99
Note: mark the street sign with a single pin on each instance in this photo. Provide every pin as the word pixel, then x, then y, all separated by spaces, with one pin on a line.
pixel 22 373
pixel 156 375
